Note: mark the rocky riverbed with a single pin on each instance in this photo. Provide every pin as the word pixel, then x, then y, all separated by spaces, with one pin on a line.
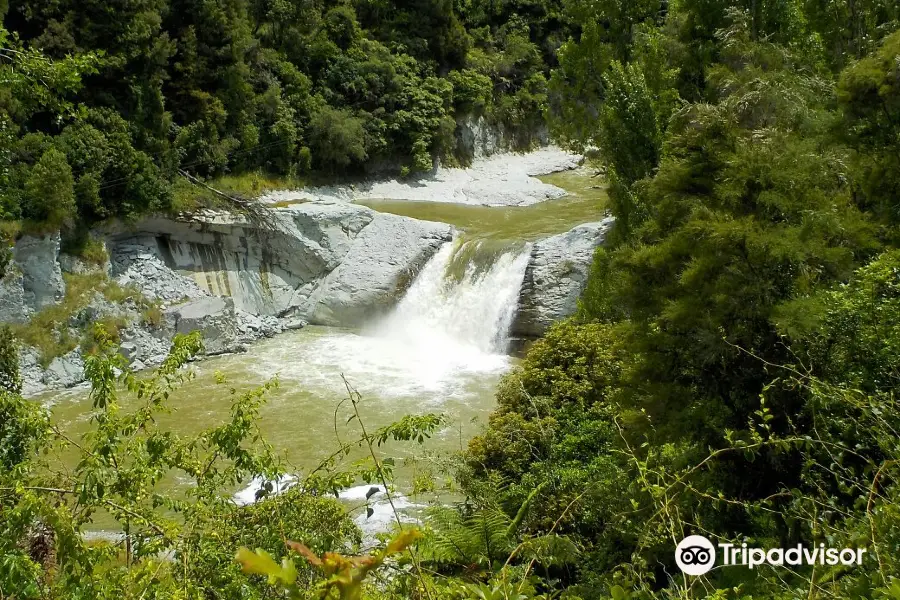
pixel 506 179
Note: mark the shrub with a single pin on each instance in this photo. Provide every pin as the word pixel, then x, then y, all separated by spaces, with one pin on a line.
pixel 336 138
pixel 49 191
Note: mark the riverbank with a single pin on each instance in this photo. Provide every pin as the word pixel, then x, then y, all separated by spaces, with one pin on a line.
pixel 327 262
pixel 505 179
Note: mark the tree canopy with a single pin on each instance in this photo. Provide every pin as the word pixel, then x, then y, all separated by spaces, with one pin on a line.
pixel 732 369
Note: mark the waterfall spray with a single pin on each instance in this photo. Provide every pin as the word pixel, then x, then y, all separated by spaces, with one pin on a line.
pixel 465 297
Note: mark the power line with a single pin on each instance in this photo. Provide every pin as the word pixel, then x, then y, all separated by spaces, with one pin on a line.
pixel 112 183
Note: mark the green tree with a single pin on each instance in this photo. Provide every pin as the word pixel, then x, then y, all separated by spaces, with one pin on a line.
pixel 629 136
pixel 336 138
pixel 869 93
pixel 10 378
pixel 49 191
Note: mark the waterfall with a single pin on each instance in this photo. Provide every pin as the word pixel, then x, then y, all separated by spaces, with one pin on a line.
pixel 464 299
pixel 444 342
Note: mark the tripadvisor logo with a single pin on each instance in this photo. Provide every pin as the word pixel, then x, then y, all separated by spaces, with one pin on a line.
pixel 696 555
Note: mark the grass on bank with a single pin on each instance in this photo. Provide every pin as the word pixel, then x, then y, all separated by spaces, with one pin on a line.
pixel 49 329
pixel 188 197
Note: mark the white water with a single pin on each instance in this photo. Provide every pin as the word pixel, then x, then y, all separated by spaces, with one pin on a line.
pixel 372 512
pixel 443 341
pixel 440 350
pixel 464 318
pixel 443 336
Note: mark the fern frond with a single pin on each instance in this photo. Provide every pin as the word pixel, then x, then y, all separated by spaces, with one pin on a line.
pixel 522 512
pixel 550 550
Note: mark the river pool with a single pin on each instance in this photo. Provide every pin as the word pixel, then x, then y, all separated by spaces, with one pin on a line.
pixel 443 350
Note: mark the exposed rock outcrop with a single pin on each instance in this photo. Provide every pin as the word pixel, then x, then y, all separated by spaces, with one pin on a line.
pixel 555 277
pixel 236 280
pixel 33 280
pixel 13 308
pixel 42 279
pixel 376 271
pixel 501 180
pixel 213 317
pixel 65 371
pixel 326 262
pixel 476 138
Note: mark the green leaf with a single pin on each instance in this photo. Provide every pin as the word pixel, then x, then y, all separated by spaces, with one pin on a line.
pixel 262 563
pixel 618 593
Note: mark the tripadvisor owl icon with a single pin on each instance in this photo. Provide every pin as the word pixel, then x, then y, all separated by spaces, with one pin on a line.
pixel 695 555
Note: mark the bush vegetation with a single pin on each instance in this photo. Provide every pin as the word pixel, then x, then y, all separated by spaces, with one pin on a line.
pixel 732 370
pixel 50 330
pixel 104 103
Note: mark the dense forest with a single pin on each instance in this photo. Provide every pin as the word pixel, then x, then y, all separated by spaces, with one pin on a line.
pixel 733 369
pixel 113 99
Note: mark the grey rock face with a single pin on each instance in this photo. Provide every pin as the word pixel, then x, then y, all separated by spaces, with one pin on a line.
pixel 376 271
pixel 12 297
pixel 265 271
pixel 42 280
pixel 65 371
pixel 327 262
pixel 77 266
pixel 475 138
pixel 32 374
pixel 213 317
pixel 555 277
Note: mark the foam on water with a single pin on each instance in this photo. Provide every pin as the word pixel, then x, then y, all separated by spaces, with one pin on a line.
pixel 444 336
pixel 466 318
pixel 253 490
pixel 381 518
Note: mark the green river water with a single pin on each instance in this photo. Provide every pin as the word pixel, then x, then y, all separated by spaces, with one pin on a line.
pixel 432 355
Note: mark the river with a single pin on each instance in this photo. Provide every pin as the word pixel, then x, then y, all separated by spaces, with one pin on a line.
pixel 442 350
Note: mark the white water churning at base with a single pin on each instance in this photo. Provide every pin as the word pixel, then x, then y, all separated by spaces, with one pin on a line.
pixel 464 299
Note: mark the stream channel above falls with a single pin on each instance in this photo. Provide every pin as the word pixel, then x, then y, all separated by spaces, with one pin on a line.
pixel 442 350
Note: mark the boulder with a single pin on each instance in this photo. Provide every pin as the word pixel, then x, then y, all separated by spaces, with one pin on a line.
pixel 555 277
pixel 32 373
pixel 214 317
pixel 376 271
pixel 42 279
pixel 65 371
pixel 141 347
pixel 253 327
pixel 293 323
